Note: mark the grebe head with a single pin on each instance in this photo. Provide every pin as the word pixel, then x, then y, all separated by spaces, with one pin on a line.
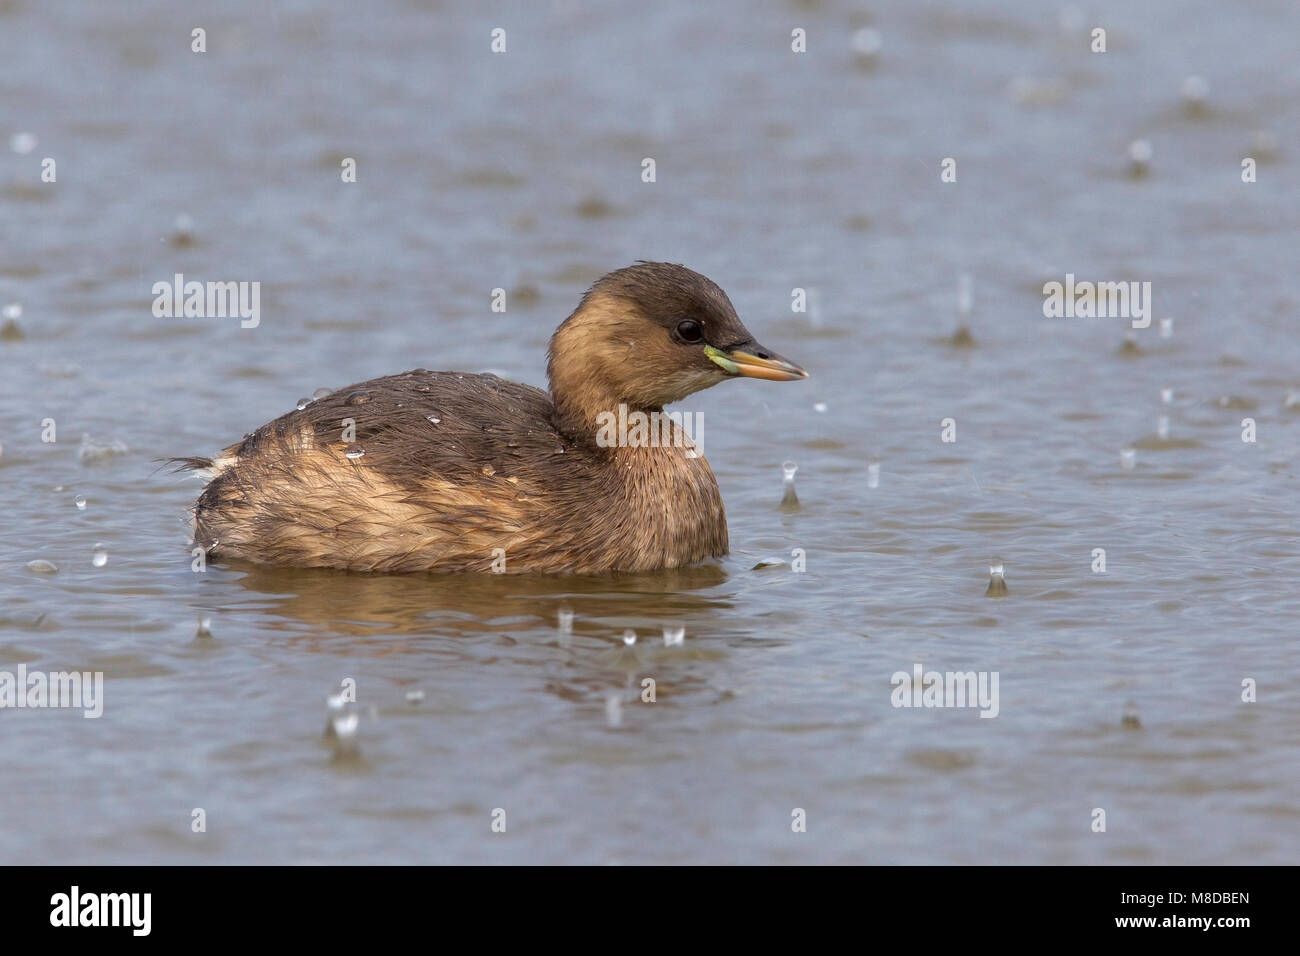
pixel 649 335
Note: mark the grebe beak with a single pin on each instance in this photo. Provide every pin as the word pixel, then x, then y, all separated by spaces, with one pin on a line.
pixel 753 361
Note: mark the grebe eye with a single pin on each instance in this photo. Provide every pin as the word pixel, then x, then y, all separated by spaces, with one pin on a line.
pixel 690 330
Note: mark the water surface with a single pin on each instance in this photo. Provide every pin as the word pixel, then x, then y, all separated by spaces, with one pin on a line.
pixel 775 171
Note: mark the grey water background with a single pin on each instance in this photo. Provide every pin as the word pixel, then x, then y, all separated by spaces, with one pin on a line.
pixel 775 170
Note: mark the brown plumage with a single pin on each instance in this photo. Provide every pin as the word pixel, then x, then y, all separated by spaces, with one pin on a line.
pixel 466 472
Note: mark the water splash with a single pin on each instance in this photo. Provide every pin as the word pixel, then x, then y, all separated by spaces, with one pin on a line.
pixel 997 579
pixel 1140 154
pixel 873 474
pixel 965 297
pixel 1128 459
pixel 414 697
pixel 12 310
pixel 1129 719
pixel 183 230
pixel 1166 328
pixel 867 44
pixel 91 452
pixel 1195 92
pixel 99 555
pixel 613 711
pixel 674 635
pixel 564 626
pixel 205 627
pixel 629 637
pixel 789 499
pixel 345 728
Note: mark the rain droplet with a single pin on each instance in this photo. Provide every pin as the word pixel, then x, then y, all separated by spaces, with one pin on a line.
pixel 14 310
pixel 629 637
pixel 1166 328
pixel 1166 395
pixel 964 295
pixel 819 407
pixel 41 566
pixel 1128 459
pixel 99 555
pixel 613 711
pixel 674 636
pixel 345 733
pixel 997 579
pixel 357 398
pixel 433 418
pixel 355 451
pixel 335 703
pixel 1071 19
pixel 564 627
pixel 414 697
pixel 789 499
pixel 1195 92
pixel 80 502
pixel 320 393
pixel 1129 719
pixel 1292 399
pixel 183 230
pixel 1264 145
pixel 873 474
pixel 205 627
pixel 303 403
pixel 559 449
pixel 867 43
pixel 23 143
pixel 1139 157
pixel 692 453
pixel 1162 427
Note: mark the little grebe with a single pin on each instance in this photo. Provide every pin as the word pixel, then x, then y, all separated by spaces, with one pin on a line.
pixel 444 471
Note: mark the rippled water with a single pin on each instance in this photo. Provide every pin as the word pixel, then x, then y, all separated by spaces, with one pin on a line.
pixel 775 170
